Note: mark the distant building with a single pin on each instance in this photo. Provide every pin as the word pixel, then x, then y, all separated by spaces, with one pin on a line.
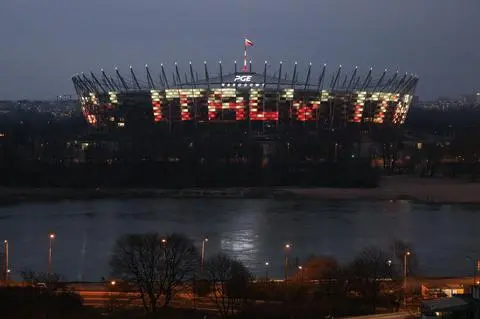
pixel 444 291
pixel 460 306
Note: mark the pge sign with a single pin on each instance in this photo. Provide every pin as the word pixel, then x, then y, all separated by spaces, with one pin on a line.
pixel 243 78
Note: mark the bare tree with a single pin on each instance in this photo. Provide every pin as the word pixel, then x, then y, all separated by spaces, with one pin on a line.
pixel 182 261
pixel 229 282
pixel 139 259
pixel 366 272
pixel 53 280
pixel 156 265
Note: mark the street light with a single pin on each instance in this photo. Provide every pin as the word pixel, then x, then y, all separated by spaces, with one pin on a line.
pixel 389 264
pixel 6 262
pixel 112 285
pixel 51 237
pixel 300 268
pixel 287 249
pixel 204 242
pixel 405 255
pixel 267 264
pixel 164 244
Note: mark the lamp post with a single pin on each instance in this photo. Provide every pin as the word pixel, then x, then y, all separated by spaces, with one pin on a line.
pixel 112 287
pixel 6 262
pixel 287 248
pixel 204 243
pixel 164 245
pixel 51 237
pixel 389 264
pixel 267 264
pixel 405 255
pixel 300 268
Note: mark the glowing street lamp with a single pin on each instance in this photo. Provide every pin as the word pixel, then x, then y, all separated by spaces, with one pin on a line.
pixel 164 244
pixel 267 265
pixel 287 249
pixel 51 238
pixel 301 269
pixel 389 265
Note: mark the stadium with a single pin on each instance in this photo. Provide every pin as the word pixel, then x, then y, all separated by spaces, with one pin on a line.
pixel 246 99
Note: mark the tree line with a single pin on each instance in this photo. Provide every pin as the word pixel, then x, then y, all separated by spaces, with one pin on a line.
pixel 161 267
pixel 171 279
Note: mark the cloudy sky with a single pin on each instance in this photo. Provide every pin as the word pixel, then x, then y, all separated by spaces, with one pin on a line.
pixel 44 42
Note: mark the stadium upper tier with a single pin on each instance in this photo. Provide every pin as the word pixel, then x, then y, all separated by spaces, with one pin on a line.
pixel 283 100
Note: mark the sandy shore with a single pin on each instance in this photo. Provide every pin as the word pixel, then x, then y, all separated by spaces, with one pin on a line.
pixel 428 190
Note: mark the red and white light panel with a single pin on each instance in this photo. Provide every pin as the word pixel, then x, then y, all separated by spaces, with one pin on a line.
pixel 156 105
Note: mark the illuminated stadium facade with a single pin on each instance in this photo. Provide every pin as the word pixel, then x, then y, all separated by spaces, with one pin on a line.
pixel 248 100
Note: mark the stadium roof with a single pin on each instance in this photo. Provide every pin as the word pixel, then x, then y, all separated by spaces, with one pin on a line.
pixel 338 80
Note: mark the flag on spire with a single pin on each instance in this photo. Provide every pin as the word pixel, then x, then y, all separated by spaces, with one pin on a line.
pixel 248 43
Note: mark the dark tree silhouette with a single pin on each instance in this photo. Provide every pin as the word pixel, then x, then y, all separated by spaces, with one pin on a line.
pixel 366 272
pixel 318 268
pixel 26 302
pixel 182 261
pixel 53 280
pixel 156 265
pixel 140 259
pixel 229 281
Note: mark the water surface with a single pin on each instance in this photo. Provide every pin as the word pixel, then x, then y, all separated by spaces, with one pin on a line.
pixel 252 230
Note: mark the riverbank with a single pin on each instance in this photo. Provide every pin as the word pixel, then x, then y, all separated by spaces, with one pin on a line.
pixel 426 190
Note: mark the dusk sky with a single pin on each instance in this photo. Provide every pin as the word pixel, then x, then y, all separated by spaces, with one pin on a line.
pixel 44 42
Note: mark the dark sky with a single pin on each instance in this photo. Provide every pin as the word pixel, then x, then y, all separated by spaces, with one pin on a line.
pixel 44 42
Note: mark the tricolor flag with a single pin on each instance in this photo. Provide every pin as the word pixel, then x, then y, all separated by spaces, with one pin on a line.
pixel 248 43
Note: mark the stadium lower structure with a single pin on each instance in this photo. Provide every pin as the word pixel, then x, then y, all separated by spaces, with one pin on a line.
pixel 250 101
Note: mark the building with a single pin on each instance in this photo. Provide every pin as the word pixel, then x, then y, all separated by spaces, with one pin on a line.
pixel 460 306
pixel 448 290
pixel 247 102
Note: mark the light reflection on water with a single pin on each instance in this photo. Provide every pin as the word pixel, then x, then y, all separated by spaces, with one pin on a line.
pixel 251 230
pixel 242 240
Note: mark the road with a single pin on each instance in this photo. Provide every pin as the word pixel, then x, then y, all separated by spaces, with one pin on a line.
pixel 412 282
pixel 100 294
pixel 394 315
pixel 98 299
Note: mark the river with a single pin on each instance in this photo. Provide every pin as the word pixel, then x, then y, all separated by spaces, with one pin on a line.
pixel 251 230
